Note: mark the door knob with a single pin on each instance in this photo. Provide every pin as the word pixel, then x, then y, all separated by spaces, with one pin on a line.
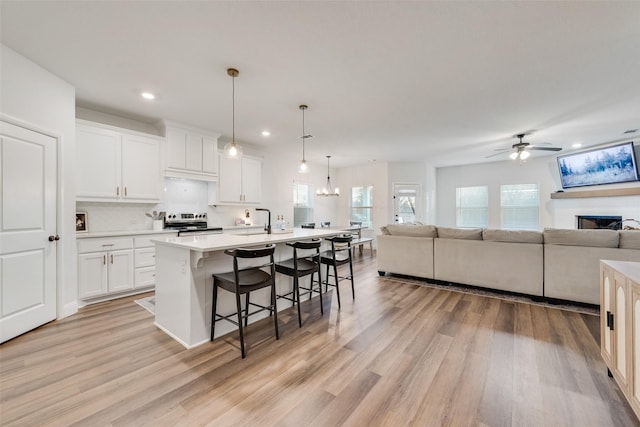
pixel 54 238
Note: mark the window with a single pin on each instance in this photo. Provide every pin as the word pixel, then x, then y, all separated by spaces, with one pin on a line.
pixel 472 205
pixel 362 204
pixel 520 206
pixel 302 204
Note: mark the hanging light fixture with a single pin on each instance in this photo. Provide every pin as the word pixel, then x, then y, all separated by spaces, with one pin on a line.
pixel 231 149
pixel 303 167
pixel 328 190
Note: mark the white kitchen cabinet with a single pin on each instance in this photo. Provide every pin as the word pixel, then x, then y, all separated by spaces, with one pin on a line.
pixel 145 259
pixel 190 152
pixel 117 165
pixel 105 266
pixel 240 180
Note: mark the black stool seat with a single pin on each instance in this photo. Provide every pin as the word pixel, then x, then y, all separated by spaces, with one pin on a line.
pixel 243 282
pixel 302 264
pixel 288 267
pixel 340 254
pixel 248 280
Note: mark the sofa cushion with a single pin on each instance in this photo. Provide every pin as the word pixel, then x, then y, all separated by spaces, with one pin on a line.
pixel 460 233
pixel 592 238
pixel 630 239
pixel 410 230
pixel 512 236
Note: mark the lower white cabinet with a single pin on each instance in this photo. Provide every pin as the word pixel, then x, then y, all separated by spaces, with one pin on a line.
pixel 109 267
pixel 105 266
pixel 145 267
pixel 620 326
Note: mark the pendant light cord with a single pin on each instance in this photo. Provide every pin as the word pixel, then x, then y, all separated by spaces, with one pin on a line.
pixel 233 109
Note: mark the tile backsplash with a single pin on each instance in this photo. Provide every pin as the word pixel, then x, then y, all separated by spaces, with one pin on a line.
pixel 180 195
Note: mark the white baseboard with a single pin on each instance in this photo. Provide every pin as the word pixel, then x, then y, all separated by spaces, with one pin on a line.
pixel 68 309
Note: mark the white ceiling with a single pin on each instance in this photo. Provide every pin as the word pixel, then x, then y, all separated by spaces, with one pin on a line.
pixel 444 82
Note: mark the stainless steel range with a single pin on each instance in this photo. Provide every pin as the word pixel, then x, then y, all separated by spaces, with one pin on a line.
pixel 189 224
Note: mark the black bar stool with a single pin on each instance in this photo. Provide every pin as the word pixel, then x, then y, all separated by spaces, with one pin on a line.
pixel 339 254
pixel 302 264
pixel 243 282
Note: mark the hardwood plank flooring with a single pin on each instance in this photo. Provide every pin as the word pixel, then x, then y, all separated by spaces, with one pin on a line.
pixel 400 354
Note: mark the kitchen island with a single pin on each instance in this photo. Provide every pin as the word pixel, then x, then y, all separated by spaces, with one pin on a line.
pixel 184 282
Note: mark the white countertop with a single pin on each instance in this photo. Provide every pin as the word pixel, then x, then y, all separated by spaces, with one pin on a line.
pixel 218 242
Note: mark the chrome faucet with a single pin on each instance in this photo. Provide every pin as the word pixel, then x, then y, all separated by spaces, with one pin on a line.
pixel 267 227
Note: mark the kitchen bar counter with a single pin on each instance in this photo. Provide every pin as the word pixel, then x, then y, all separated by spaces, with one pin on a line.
pixel 184 283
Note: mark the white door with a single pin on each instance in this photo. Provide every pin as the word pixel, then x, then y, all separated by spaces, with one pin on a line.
pixel 406 203
pixel 28 170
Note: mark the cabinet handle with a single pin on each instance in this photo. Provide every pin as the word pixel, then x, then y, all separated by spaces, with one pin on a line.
pixel 108 244
pixel 125 191
pixel 118 190
pixel 104 259
pixel 111 258
pixel 610 322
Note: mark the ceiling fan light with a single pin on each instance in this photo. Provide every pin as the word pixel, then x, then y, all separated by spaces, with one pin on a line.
pixel 513 155
pixel 524 155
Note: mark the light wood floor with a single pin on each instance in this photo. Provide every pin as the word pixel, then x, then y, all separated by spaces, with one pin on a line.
pixel 401 354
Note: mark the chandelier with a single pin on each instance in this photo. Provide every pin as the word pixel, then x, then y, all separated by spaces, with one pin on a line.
pixel 328 190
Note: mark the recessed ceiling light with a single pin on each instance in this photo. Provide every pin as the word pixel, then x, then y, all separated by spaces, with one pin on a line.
pixel 148 95
pixel 266 133
pixel 577 145
pixel 631 131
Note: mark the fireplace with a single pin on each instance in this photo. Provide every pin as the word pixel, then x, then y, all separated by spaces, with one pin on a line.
pixel 599 221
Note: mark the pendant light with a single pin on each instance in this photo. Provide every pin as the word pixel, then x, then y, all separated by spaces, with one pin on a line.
pixel 303 167
pixel 328 190
pixel 231 149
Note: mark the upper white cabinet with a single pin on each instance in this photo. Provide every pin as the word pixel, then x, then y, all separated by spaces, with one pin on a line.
pixel 117 165
pixel 240 180
pixel 190 152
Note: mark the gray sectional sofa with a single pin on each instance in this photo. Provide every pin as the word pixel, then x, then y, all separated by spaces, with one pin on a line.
pixel 557 264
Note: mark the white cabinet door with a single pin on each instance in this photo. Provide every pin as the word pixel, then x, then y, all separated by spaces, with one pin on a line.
pixel 98 163
pixel 230 180
pixel 251 180
pixel 28 197
pixel 120 270
pixel 141 177
pixel 176 140
pixel 194 152
pixel 210 155
pixel 92 274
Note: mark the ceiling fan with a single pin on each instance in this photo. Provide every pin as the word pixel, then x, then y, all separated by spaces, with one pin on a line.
pixel 520 150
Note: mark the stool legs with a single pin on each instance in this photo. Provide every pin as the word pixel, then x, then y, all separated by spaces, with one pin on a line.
pixel 240 327
pixel 214 308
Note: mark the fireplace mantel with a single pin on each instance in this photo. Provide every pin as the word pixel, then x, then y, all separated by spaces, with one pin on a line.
pixel 635 191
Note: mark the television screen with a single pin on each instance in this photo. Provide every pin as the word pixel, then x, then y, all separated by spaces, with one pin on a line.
pixel 608 165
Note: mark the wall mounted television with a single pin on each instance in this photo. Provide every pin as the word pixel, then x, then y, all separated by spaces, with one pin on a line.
pixel 607 165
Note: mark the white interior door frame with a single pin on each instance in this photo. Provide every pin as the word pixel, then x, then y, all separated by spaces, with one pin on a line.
pixel 407 188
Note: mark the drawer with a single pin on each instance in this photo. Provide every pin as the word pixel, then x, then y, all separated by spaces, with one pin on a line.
pixel 146 257
pixel 105 244
pixel 145 241
pixel 145 277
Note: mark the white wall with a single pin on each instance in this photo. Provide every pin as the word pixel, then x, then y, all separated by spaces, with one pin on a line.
pixel 554 213
pixel 33 95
